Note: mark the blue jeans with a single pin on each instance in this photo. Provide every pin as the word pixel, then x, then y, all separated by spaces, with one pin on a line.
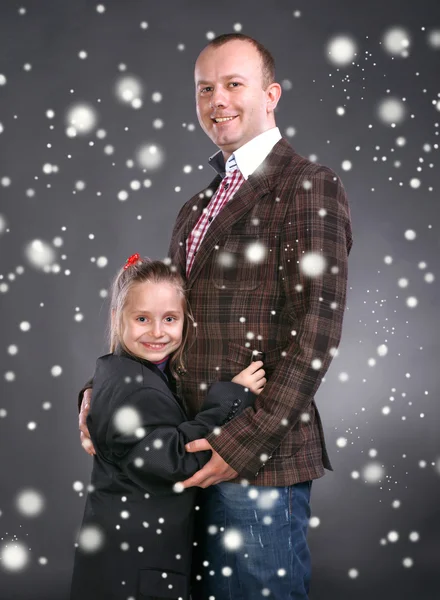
pixel 267 554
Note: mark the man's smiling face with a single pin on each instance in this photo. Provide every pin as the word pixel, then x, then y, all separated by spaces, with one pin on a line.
pixel 232 106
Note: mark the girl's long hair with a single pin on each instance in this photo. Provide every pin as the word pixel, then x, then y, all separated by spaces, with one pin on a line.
pixel 154 271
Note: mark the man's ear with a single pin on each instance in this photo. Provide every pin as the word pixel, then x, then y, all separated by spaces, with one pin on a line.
pixel 273 93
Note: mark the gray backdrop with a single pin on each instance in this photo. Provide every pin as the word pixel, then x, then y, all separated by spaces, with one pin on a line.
pixel 65 228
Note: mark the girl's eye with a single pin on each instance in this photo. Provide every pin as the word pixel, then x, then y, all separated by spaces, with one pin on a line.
pixel 170 319
pixel 141 319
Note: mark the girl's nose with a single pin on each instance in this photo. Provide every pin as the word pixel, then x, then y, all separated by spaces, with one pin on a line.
pixel 156 329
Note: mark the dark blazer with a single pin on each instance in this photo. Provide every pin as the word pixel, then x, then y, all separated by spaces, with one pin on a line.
pixel 290 207
pixel 145 528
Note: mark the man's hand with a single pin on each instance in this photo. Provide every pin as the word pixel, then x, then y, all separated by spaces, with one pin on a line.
pixel 84 436
pixel 215 471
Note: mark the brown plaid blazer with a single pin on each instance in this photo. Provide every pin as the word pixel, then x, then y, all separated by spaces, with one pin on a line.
pixel 290 206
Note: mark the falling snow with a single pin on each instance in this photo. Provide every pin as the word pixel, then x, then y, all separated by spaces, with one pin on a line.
pixel 341 50
pixel 117 151
pixel 127 420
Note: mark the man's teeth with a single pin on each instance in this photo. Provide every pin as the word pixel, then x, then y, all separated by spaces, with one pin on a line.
pixel 224 119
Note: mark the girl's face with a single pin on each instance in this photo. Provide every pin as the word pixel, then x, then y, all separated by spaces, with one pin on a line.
pixel 152 320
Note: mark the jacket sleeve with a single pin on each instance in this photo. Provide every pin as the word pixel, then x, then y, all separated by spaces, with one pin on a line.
pixel 318 224
pixel 152 452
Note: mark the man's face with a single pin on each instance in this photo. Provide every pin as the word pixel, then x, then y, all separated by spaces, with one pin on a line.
pixel 229 84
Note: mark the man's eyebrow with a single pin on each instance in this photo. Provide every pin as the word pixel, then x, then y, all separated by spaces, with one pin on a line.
pixel 234 76
pixel 225 77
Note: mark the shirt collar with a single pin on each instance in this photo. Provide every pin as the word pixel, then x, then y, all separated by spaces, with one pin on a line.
pixel 249 156
pixel 231 164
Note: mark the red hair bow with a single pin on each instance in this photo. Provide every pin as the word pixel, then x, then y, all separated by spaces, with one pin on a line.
pixel 131 260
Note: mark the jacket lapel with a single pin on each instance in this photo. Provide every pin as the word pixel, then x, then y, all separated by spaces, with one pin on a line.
pixel 119 351
pixel 261 182
pixel 241 203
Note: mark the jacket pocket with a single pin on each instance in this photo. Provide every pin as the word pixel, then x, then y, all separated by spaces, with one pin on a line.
pixel 243 356
pixel 272 359
pixel 291 444
pixel 303 432
pixel 240 263
pixel 155 584
pixel 239 355
pixel 294 439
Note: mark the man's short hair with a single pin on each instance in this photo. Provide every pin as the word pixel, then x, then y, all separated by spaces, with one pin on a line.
pixel 267 60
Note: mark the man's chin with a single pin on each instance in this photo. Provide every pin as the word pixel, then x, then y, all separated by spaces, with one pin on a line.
pixel 225 142
pixel 226 145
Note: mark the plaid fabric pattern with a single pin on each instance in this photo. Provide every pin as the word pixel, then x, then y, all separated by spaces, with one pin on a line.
pixel 248 291
pixel 226 190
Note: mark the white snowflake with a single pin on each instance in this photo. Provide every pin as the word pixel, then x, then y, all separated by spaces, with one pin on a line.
pixel 341 50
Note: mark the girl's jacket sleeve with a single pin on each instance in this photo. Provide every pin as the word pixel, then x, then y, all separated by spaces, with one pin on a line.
pixel 148 432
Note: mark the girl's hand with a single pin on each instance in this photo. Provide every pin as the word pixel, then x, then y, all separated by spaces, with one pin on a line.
pixel 252 377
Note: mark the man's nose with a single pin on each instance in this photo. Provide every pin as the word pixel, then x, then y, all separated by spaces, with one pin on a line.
pixel 219 97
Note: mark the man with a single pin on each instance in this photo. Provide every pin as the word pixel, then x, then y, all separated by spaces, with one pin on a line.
pixel 264 249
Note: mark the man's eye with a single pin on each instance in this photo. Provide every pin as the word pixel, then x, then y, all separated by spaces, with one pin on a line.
pixel 235 83
pixel 205 89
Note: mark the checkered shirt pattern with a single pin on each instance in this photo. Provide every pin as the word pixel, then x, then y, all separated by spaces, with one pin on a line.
pixel 230 184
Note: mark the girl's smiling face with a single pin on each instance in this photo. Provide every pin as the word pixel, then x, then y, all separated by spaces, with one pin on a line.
pixel 152 320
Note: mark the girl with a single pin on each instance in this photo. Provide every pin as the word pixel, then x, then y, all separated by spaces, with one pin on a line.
pixel 137 533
